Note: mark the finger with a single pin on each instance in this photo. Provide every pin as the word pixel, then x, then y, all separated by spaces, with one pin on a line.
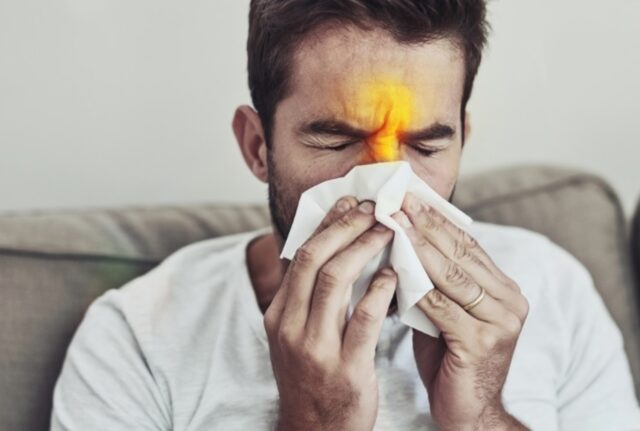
pixel 273 315
pixel 274 312
pixel 342 206
pixel 457 245
pixel 459 327
pixel 466 338
pixel 363 329
pixel 314 253
pixel 331 294
pixel 448 276
pixel 456 324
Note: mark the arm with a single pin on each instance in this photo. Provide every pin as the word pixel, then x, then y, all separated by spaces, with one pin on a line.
pixel 105 381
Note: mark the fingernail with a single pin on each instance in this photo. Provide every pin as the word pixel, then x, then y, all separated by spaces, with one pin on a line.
pixel 366 207
pixel 343 205
pixel 404 220
pixel 413 204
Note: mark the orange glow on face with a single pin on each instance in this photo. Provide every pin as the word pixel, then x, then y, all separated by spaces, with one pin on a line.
pixel 390 104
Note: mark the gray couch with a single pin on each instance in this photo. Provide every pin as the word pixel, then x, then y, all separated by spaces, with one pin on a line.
pixel 53 264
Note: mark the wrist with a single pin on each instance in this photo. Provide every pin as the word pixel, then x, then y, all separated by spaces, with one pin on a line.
pixel 496 418
pixel 492 418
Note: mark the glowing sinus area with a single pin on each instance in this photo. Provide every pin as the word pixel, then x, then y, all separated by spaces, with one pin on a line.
pixel 390 104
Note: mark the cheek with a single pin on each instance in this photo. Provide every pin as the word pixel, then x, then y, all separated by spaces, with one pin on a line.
pixel 440 173
pixel 302 167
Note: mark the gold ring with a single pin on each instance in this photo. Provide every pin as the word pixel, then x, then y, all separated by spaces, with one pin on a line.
pixel 476 301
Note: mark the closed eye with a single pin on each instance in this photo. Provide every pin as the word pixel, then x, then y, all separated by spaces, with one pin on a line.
pixel 339 146
pixel 425 151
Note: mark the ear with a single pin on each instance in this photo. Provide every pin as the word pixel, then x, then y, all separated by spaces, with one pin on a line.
pixel 467 127
pixel 250 136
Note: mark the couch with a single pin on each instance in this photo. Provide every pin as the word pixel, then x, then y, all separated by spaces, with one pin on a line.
pixel 53 264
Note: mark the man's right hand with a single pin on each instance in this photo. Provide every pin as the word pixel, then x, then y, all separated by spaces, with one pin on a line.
pixel 324 364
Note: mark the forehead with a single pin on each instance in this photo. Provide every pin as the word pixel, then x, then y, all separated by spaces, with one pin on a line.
pixel 333 66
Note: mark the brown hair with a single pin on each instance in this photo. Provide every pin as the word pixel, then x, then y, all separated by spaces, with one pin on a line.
pixel 277 26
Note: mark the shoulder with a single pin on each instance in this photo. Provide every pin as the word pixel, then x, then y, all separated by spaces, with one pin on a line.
pixel 563 298
pixel 501 240
pixel 516 246
pixel 193 281
pixel 132 340
pixel 544 270
pixel 569 340
pixel 205 261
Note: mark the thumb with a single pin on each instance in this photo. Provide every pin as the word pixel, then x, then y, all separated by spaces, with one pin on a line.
pixel 428 352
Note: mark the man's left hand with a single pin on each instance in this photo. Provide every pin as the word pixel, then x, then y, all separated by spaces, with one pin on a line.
pixel 480 312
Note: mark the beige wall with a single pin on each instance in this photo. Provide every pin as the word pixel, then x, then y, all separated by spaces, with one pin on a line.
pixel 114 102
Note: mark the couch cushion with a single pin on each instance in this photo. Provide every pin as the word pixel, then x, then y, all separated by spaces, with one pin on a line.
pixel 52 265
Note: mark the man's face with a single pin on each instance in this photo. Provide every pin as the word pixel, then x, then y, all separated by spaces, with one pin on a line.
pixel 360 97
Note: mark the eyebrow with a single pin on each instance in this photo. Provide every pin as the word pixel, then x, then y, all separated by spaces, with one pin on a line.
pixel 340 128
pixel 430 133
pixel 332 128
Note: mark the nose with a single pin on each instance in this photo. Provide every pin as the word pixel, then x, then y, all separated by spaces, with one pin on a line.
pixel 382 148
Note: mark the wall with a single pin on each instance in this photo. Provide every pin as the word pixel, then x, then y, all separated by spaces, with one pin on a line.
pixel 560 85
pixel 114 102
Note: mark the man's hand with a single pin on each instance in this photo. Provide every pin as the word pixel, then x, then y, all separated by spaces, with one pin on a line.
pixel 324 365
pixel 465 369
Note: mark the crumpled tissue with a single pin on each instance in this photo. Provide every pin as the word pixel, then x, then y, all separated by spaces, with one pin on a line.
pixel 386 184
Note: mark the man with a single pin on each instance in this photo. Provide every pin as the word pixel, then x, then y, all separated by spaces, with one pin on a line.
pixel 223 336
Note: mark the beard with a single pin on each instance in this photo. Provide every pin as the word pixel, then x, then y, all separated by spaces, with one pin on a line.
pixel 283 200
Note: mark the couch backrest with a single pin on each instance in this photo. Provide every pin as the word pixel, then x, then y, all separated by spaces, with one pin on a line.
pixel 53 264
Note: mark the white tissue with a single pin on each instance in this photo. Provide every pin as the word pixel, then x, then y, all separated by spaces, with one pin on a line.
pixel 386 184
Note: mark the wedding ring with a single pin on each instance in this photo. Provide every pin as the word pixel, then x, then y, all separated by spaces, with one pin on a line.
pixel 476 301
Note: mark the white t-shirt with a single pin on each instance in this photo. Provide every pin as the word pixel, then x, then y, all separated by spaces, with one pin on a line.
pixel 183 347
